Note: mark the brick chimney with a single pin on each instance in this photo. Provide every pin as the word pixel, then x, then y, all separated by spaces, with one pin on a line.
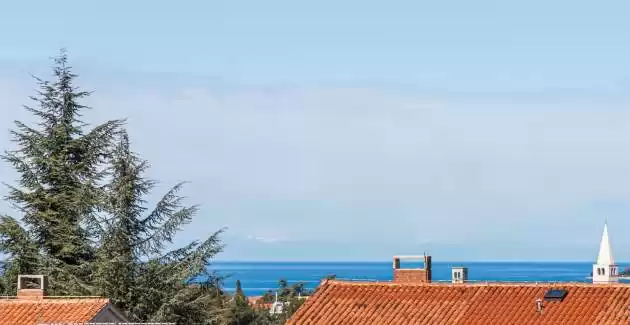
pixel 412 275
pixel 25 292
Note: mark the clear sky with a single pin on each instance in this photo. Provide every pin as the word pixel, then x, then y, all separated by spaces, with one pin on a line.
pixel 354 130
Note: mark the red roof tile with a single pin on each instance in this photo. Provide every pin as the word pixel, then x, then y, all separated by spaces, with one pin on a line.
pixel 31 312
pixel 350 303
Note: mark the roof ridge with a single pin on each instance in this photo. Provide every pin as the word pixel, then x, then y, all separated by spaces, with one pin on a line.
pixel 55 301
pixel 57 297
pixel 477 283
pixel 364 303
pixel 30 311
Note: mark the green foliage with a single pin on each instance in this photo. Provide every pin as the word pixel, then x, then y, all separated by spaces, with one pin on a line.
pixel 240 312
pixel 85 222
pixel 60 165
pixel 268 297
pixel 239 290
pixel 200 304
pixel 293 297
pixel 133 268
pixel 23 253
pixel 286 292
pixel 293 304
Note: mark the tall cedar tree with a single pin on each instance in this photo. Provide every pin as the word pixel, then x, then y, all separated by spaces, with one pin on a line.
pixel 134 270
pixel 60 166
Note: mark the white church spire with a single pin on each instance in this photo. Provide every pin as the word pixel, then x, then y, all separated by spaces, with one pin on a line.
pixel 605 270
pixel 605 256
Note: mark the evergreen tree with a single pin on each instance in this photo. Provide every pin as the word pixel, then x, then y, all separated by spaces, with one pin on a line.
pixel 134 269
pixel 291 295
pixel 95 239
pixel 22 251
pixel 240 312
pixel 60 167
pixel 239 290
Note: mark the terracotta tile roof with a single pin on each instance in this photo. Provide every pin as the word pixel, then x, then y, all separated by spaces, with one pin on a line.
pixel 31 312
pixel 258 302
pixel 350 303
pixel 254 299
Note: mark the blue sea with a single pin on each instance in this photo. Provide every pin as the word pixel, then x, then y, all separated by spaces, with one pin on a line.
pixel 259 277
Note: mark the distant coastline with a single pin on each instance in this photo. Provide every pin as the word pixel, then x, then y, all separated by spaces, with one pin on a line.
pixel 258 277
pixel 389 261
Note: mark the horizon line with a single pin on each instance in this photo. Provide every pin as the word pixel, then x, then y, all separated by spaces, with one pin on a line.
pixel 389 261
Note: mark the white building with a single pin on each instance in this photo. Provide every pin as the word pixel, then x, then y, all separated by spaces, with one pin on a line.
pixel 605 270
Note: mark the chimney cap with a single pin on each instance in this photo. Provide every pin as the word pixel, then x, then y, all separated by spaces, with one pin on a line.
pixel 410 257
pixel 21 283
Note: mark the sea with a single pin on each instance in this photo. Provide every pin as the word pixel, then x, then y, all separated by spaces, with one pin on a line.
pixel 258 278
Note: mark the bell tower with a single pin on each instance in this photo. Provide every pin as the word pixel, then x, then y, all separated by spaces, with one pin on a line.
pixel 605 270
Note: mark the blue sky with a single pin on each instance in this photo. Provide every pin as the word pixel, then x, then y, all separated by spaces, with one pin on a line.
pixel 354 130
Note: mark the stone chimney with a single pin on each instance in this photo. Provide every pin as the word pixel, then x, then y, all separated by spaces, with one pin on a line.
pixel 26 291
pixel 412 275
pixel 459 274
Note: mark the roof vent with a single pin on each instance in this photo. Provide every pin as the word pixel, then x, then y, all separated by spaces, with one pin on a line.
pixel 539 306
pixel 459 274
pixel 556 294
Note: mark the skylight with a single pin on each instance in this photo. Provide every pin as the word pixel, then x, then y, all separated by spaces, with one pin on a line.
pixel 556 294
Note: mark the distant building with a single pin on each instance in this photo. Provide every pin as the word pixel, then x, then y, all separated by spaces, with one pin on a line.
pixel 33 307
pixel 414 298
pixel 275 308
pixel 605 270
